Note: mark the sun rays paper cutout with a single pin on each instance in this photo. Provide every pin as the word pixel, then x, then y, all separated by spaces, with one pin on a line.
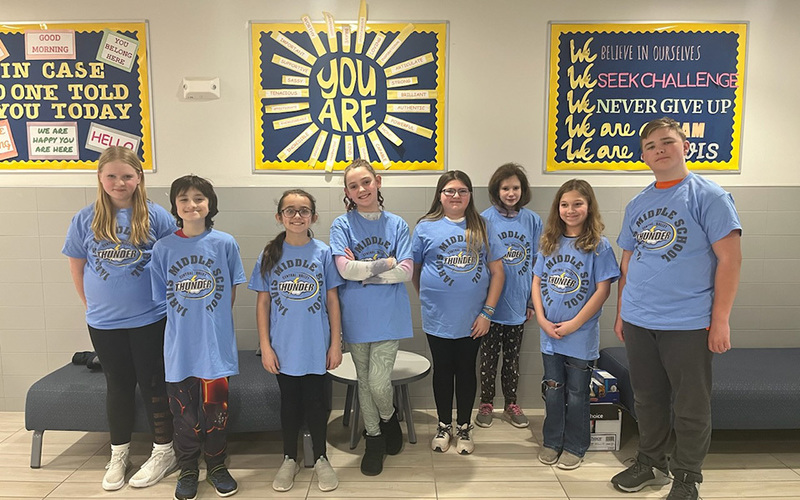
pixel 326 93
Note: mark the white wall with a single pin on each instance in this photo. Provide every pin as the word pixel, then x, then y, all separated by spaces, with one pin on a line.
pixel 496 79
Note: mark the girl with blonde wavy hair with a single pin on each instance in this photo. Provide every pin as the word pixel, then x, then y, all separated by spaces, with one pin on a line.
pixel 109 246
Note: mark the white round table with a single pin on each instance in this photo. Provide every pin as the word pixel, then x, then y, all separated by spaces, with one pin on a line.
pixel 408 367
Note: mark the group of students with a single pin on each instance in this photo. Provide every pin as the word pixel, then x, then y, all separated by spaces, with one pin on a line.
pixel 159 292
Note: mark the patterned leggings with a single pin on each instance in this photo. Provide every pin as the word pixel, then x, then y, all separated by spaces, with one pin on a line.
pixel 374 363
pixel 509 339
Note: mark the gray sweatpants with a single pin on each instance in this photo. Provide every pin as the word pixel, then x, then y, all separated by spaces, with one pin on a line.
pixel 671 376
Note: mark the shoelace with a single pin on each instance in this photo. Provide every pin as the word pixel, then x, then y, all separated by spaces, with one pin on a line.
pixel 464 433
pixel 116 458
pixel 485 409
pixel 441 432
pixel 514 409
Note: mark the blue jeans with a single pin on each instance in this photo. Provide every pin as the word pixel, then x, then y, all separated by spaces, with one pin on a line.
pixel 565 386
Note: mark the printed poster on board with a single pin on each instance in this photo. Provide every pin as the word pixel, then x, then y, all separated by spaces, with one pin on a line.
pixel 68 91
pixel 607 80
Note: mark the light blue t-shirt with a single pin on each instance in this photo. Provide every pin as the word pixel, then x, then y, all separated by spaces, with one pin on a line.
pixel 454 282
pixel 520 237
pixel 299 328
pixel 670 280
pixel 373 313
pixel 116 278
pixel 196 276
pixel 569 279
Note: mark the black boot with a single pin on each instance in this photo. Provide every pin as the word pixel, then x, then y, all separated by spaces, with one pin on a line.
pixel 393 433
pixel 372 463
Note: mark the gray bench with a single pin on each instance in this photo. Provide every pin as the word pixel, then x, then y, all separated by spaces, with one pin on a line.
pixel 755 388
pixel 73 398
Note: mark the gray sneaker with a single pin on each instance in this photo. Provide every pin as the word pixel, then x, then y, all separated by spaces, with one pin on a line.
pixel 637 476
pixel 326 476
pixel 284 479
pixel 514 415
pixel 484 416
pixel 548 456
pixel 568 461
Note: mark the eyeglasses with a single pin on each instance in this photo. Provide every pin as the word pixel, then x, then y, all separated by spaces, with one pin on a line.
pixel 450 192
pixel 290 212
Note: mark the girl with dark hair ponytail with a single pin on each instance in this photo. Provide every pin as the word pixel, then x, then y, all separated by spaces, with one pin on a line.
pixel 299 330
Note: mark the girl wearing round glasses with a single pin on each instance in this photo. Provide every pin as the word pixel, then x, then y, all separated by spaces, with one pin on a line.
pixel 458 273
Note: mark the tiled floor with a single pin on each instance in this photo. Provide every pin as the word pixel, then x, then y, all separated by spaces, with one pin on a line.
pixel 504 465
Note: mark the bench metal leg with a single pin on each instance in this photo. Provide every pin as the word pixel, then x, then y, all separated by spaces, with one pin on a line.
pixel 348 405
pixel 398 402
pixel 308 449
pixel 36 449
pixel 406 398
pixel 355 427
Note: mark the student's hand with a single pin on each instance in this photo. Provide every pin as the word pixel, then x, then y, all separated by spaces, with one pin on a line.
pixel 348 254
pixel 480 327
pixel 529 312
pixel 618 329
pixel 270 360
pixel 719 337
pixel 391 262
pixel 547 327
pixel 565 328
pixel 334 357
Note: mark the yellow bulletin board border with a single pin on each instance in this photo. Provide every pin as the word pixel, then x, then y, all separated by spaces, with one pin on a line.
pixel 432 135
pixel 88 158
pixel 556 97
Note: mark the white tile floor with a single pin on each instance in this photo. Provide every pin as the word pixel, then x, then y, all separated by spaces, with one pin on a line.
pixel 764 465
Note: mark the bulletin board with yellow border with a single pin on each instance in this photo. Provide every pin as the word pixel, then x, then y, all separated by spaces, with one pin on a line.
pixel 327 92
pixel 607 80
pixel 68 91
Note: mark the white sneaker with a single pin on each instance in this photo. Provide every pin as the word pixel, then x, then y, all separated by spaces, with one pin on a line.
pixel 441 441
pixel 326 476
pixel 116 468
pixel 284 479
pixel 464 444
pixel 161 462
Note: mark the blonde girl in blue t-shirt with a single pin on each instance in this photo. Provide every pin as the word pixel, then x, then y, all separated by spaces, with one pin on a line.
pixel 372 250
pixel 299 330
pixel 109 246
pixel 573 273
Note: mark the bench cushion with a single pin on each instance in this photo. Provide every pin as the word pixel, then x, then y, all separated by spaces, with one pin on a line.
pixel 755 388
pixel 73 398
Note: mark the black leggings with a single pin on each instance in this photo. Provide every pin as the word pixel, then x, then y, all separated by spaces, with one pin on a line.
pixel 130 356
pixel 454 368
pixel 303 400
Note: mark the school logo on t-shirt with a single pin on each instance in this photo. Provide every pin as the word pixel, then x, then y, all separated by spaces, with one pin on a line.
pixel 117 254
pixel 194 284
pixel 564 281
pixel 660 230
pixel 372 248
pixel 298 286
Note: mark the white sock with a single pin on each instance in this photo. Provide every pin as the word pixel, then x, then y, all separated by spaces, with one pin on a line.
pixel 162 447
pixel 120 447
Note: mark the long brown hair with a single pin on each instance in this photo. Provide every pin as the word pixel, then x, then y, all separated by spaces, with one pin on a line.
pixel 359 162
pixel 505 172
pixel 104 222
pixel 593 227
pixel 274 249
pixel 476 228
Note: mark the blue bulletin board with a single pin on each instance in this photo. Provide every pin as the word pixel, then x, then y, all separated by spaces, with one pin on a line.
pixel 326 93
pixel 70 90
pixel 607 80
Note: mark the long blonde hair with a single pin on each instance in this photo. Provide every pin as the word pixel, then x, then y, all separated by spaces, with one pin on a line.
pixel 476 228
pixel 104 223
pixel 593 227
